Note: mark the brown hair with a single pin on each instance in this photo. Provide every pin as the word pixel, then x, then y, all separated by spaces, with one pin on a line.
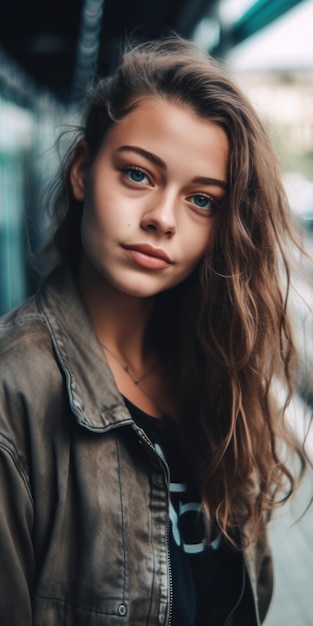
pixel 228 338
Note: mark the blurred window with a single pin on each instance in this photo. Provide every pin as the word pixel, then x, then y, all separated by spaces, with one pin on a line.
pixel 15 136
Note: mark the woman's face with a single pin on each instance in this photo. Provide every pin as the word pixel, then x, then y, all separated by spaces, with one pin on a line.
pixel 151 197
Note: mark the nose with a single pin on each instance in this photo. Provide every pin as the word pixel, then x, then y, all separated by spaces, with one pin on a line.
pixel 160 216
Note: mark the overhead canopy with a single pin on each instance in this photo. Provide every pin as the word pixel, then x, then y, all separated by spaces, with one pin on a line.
pixel 61 44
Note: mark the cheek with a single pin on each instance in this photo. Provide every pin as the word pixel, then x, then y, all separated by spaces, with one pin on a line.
pixel 86 232
pixel 98 212
pixel 199 243
pixel 93 229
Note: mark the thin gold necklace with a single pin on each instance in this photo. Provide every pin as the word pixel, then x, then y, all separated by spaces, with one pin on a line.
pixel 126 367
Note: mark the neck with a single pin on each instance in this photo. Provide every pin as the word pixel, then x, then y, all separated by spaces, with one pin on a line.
pixel 119 320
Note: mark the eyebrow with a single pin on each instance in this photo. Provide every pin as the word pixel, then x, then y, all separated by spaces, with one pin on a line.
pixel 145 153
pixel 153 158
pixel 203 180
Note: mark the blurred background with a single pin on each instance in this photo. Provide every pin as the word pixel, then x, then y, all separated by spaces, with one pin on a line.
pixel 51 52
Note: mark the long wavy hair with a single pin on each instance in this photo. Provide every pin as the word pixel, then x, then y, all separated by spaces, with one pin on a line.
pixel 223 335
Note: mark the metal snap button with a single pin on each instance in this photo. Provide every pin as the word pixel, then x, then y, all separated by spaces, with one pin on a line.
pixel 122 610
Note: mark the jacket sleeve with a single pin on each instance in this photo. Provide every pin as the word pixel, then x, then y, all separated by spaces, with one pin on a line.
pixel 16 551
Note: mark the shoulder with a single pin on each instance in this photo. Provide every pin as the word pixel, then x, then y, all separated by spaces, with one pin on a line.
pixel 31 393
pixel 15 326
pixel 24 340
pixel 29 373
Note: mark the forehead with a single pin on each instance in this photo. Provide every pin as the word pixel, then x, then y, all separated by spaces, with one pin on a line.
pixel 175 133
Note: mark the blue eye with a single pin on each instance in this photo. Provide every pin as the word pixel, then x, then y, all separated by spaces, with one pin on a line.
pixel 136 175
pixel 203 202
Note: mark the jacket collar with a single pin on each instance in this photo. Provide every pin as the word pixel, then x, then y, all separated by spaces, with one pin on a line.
pixel 93 395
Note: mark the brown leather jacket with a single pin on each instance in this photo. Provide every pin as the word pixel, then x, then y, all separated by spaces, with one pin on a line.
pixel 84 496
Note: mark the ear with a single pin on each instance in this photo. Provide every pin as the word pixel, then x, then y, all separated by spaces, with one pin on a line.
pixel 79 171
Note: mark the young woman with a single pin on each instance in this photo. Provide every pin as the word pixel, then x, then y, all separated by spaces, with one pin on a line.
pixel 139 429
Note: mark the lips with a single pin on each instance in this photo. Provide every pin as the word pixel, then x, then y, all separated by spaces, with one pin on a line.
pixel 150 251
pixel 147 256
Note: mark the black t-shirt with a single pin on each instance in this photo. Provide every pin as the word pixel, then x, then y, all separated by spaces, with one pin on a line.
pixel 206 578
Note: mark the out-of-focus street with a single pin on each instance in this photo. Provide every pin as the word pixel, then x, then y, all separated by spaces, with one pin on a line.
pixel 291 530
pixel 292 546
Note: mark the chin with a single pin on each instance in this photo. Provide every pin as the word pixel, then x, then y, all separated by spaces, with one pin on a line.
pixel 140 293
pixel 138 290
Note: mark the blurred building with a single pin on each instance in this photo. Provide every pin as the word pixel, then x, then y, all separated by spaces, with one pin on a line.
pixel 275 68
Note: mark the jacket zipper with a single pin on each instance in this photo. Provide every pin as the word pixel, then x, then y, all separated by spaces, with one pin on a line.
pixel 170 578
pixel 147 441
